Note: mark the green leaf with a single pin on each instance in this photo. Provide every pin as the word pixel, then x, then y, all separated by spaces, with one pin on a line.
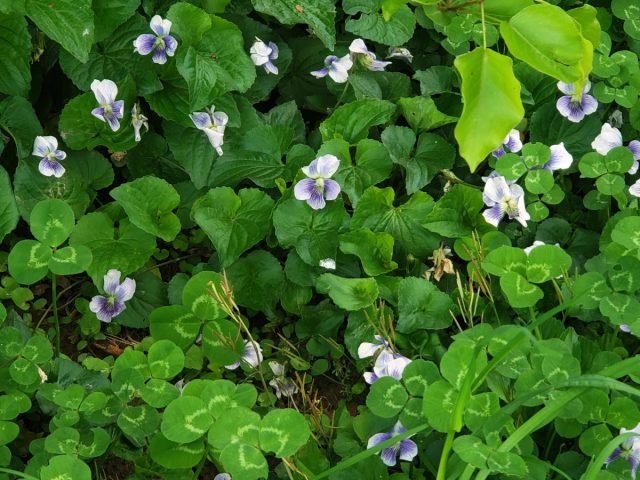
pixel 348 293
pixel 390 7
pixel 8 210
pixel 15 43
pixel 520 293
pixel 175 456
pixel 257 281
pixel 422 114
pixel 387 397
pixel 546 262
pixel 457 212
pixel 244 462
pixel 533 36
pixel 175 323
pixel 185 420
pixel 68 22
pixel 238 424
pixel 320 15
pixel 52 222
pixel 587 17
pixel 234 223
pixel 221 342
pixel 111 14
pixel 394 31
pixel 283 431
pixel 166 360
pixel 148 202
pixel 19 120
pixel 29 261
pixel 353 120
pixel 65 466
pixel 492 105
pixel 70 260
pixel 375 250
pixel 189 22
pixel 196 297
pixel 422 306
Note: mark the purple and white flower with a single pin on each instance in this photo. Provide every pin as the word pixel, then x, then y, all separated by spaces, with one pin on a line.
pixel 610 138
pixel 635 189
pixel 263 55
pixel 406 449
pixel 222 476
pixel 213 124
pixel 319 185
pixel 47 149
pixel 504 199
pixel 560 158
pixel 252 355
pixel 336 67
pixel 110 109
pixel 161 44
pixel 138 120
pixel 575 107
pixel 629 450
pixel 360 53
pixel 400 52
pixel 388 363
pixel 112 304
pixel 283 386
pixel 511 143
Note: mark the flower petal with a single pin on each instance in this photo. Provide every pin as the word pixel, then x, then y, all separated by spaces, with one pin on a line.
pixel 269 67
pixel 367 349
pixel 112 120
pixel 42 146
pixel 311 170
pixel 327 165
pixel 331 189
pixel 275 51
pixel 201 120
pixel 170 45
pixel 144 44
pixel 397 366
pixel 495 190
pixel 220 119
pixel 493 215
pixel 276 368
pixel 105 91
pixel 125 291
pixel 50 168
pixel 117 108
pixel 323 72
pixel 370 377
pixel 60 155
pixel 159 57
pixel 252 353
pixel 634 147
pixel 111 281
pixel 377 65
pixel 588 104
pixel 408 450
pixel 316 200
pixel 560 158
pixel 160 26
pixel 608 139
pixel 304 189
pixel 358 46
pixel 377 439
pixel 389 455
pixel 513 142
pixel 635 189
pixel 566 88
pixel 259 53
pixel 98 113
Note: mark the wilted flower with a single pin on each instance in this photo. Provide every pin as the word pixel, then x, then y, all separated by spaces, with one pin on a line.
pixel 504 199
pixel 560 158
pixel 610 138
pixel 388 363
pixel 511 142
pixel 47 149
pixel 629 450
pixel 281 384
pixel 138 120
pixel 161 44
pixel 337 68
pixel 252 354
pixel 575 107
pixel 400 52
pixel 112 304
pixel 110 109
pixel 42 374
pixel 262 55
pixel 328 263
pixel 213 124
pixel 406 449
pixel 319 185
pixel 441 264
pixel 360 53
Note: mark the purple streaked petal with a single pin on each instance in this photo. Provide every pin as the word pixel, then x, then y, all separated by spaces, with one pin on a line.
pixel 493 215
pixel 274 51
pixel 572 111
pixel 98 113
pixel 311 170
pixel 370 377
pixel 327 165
pixel 252 353
pixel 316 200
pixel 588 104
pixel 377 439
pixel 339 72
pixel 566 88
pixel 398 429
pixel 495 190
pixel 201 120
pixel 377 65
pixel 159 56
pixel 634 148
pixel 498 152
pixel 170 45
pixel 634 461
pixel 389 455
pixel 396 366
pixel 233 366
pixel 323 72
pixel 560 158
pixel 125 290
pixel 50 168
pixel 42 146
pixel 105 310
pixel 331 189
pixel 614 455
pixel 408 450
pixel 105 91
pixel 60 155
pixel 160 26
pixel 112 120
pixel 634 167
pixel 269 67
pixel 513 142
pixel 111 281
pixel 220 119
pixel 635 189
pixel 144 44
pixel 117 108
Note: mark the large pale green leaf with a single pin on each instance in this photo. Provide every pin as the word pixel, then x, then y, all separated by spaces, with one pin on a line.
pixel 352 121
pixel 68 22
pixel 395 31
pixel 492 105
pixel 257 281
pixel 18 119
pixel 233 222
pixel 8 210
pixel 348 293
pixel 320 15
pixel 111 14
pixel 15 43
pixel 422 306
pixel 375 250
pixel 189 22
pixel 548 39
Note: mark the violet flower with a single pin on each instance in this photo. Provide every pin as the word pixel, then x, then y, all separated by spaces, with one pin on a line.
pixel 112 304
pixel 222 476
pixel 406 449
pixel 252 354
pixel 504 199
pixel 263 55
pixel 213 124
pixel 400 52
pixel 610 138
pixel 110 109
pixel 161 44
pixel 138 120
pixel 629 450
pixel 512 143
pixel 281 384
pixel 318 186
pixel 388 363
pixel 560 158
pixel 575 107
pixel 360 53
pixel 47 149
pixel 336 68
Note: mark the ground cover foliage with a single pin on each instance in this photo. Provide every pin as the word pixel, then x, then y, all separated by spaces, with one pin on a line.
pixel 307 239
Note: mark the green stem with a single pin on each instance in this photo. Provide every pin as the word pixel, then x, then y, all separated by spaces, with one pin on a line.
pixel 344 92
pixel 18 474
pixel 56 319
pixel 444 457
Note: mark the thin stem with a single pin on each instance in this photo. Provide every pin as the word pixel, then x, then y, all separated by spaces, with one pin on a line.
pixel 344 92
pixel 484 26
pixel 54 302
pixel 18 474
pixel 444 458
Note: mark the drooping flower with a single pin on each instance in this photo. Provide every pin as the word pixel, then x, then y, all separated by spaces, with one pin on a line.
pixel 388 363
pixel 406 449
pixel 213 124
pixel 138 120
pixel 319 185
pixel 263 55
pixel 161 44
pixel 112 304
pixel 504 199
pixel 400 52
pixel 283 386
pixel 336 67
pixel 110 109
pixel 47 149
pixel 328 263
pixel 610 138
pixel 252 354
pixel 360 53
pixel 575 107
pixel 511 143
pixel 560 158
pixel 629 450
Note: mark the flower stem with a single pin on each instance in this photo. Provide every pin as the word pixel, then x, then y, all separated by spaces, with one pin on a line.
pixel 484 25
pixel 54 302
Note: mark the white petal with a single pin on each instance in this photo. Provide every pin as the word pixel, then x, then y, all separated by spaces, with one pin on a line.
pixel 367 349
pixel 105 91
pixel 496 189
pixel 635 189
pixel 358 46
pixel 560 158
pixel 608 139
